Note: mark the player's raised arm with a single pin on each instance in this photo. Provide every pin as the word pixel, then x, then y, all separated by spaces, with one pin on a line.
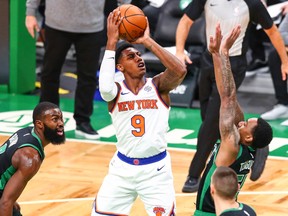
pixel 223 74
pixel 107 86
pixel 219 49
pixel 175 70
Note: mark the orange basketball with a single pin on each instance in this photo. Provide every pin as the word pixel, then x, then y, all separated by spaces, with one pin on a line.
pixel 133 24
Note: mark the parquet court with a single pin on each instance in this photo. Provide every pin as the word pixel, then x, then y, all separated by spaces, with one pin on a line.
pixel 72 173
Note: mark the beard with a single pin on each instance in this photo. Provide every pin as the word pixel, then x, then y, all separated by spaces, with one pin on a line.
pixel 52 135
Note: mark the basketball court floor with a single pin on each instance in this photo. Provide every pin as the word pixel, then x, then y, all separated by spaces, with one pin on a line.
pixel 72 174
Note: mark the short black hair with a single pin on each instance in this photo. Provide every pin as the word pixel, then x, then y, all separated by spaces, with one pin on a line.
pixel 41 108
pixel 262 135
pixel 122 46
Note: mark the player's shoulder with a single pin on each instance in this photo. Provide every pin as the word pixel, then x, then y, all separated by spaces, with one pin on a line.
pixel 249 209
pixel 243 210
pixel 28 161
pixel 28 152
pixel 26 156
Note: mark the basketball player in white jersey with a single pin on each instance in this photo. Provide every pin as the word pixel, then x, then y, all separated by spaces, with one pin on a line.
pixel 139 108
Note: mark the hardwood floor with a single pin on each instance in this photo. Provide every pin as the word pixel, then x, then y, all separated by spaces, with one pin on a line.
pixel 71 175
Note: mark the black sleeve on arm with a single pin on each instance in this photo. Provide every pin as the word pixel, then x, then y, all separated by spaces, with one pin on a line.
pixel 259 14
pixel 195 9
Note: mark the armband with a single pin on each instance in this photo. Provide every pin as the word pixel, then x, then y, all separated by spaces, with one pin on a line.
pixel 107 86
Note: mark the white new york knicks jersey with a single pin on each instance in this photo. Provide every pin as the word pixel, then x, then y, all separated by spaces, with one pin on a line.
pixel 140 121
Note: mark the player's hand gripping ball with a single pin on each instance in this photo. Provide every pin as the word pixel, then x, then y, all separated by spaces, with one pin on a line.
pixel 133 23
